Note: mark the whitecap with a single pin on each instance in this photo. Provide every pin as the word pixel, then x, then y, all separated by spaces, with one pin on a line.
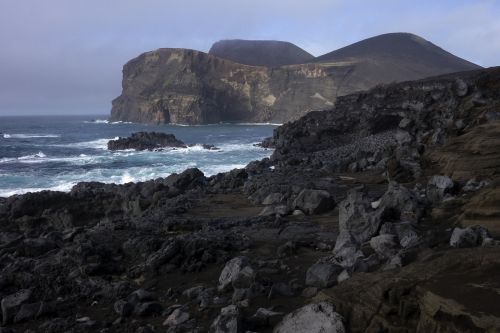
pixel 95 144
pixel 127 178
pixel 257 124
pixel 63 187
pixel 97 121
pixel 30 136
pixel 105 121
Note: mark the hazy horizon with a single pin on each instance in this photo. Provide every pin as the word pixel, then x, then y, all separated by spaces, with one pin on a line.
pixel 65 58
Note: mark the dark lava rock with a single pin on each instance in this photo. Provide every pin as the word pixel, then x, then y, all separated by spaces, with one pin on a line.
pixel 146 141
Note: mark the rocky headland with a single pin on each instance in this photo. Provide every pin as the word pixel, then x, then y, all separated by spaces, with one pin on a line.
pixel 378 215
pixel 268 81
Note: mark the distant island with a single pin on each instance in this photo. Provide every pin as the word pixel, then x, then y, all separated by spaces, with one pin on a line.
pixel 268 81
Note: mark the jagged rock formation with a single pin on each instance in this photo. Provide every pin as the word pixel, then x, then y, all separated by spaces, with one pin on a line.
pixel 146 141
pixel 192 87
pixel 269 53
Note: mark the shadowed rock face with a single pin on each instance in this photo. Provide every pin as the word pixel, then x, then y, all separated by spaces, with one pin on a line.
pixel 192 87
pixel 269 53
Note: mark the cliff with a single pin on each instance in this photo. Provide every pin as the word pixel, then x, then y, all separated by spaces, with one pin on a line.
pixel 193 87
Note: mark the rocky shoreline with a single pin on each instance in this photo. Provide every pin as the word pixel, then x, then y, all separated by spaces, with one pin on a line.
pixel 379 215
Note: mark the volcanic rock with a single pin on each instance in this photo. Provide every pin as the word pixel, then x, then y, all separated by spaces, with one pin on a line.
pixel 313 318
pixel 146 141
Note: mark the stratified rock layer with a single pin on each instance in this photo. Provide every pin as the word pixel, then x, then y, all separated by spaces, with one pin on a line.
pixel 192 87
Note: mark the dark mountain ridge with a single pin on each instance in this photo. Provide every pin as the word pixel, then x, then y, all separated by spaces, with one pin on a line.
pixel 269 53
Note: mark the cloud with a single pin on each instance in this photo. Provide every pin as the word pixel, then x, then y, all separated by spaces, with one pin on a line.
pixel 64 56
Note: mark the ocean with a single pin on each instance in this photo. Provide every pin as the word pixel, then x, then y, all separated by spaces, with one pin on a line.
pixel 56 152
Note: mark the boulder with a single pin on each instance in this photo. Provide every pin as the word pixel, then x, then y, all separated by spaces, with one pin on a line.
pixel 140 295
pixel 265 317
pixel 123 308
pixel 399 204
pixel 228 321
pixel 438 187
pixel 385 245
pixel 177 317
pixel 28 312
pixel 10 304
pixel 469 237
pixel 322 275
pixel 314 201
pixel 244 278
pixel 358 221
pixel 312 318
pixel 163 255
pixel 273 199
pixel 148 309
pixel 230 272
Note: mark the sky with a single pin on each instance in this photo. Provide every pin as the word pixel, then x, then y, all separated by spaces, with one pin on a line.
pixel 66 56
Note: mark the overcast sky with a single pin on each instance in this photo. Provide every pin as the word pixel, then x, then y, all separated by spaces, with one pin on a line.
pixel 65 56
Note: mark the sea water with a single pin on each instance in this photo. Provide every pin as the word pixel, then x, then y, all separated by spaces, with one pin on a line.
pixel 55 153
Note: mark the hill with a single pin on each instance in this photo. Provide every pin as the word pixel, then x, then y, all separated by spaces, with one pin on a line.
pixel 396 57
pixel 269 53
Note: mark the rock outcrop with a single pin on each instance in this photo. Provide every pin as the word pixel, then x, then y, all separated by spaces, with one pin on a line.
pixel 146 141
pixel 193 87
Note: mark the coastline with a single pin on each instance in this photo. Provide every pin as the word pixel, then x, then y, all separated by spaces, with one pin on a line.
pixel 365 207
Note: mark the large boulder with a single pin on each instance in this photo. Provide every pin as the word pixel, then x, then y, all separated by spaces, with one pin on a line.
pixel 385 245
pixel 231 272
pixel 12 303
pixel 438 187
pixel 322 275
pixel 471 236
pixel 314 201
pixel 312 318
pixel 400 204
pixel 357 218
pixel 228 321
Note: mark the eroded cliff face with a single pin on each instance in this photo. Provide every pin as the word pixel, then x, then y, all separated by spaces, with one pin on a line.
pixel 192 87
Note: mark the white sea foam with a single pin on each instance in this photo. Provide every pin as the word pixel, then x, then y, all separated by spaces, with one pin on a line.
pixel 97 121
pixel 105 121
pixel 29 136
pixel 258 124
pixel 95 144
pixel 40 157
pixel 64 187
